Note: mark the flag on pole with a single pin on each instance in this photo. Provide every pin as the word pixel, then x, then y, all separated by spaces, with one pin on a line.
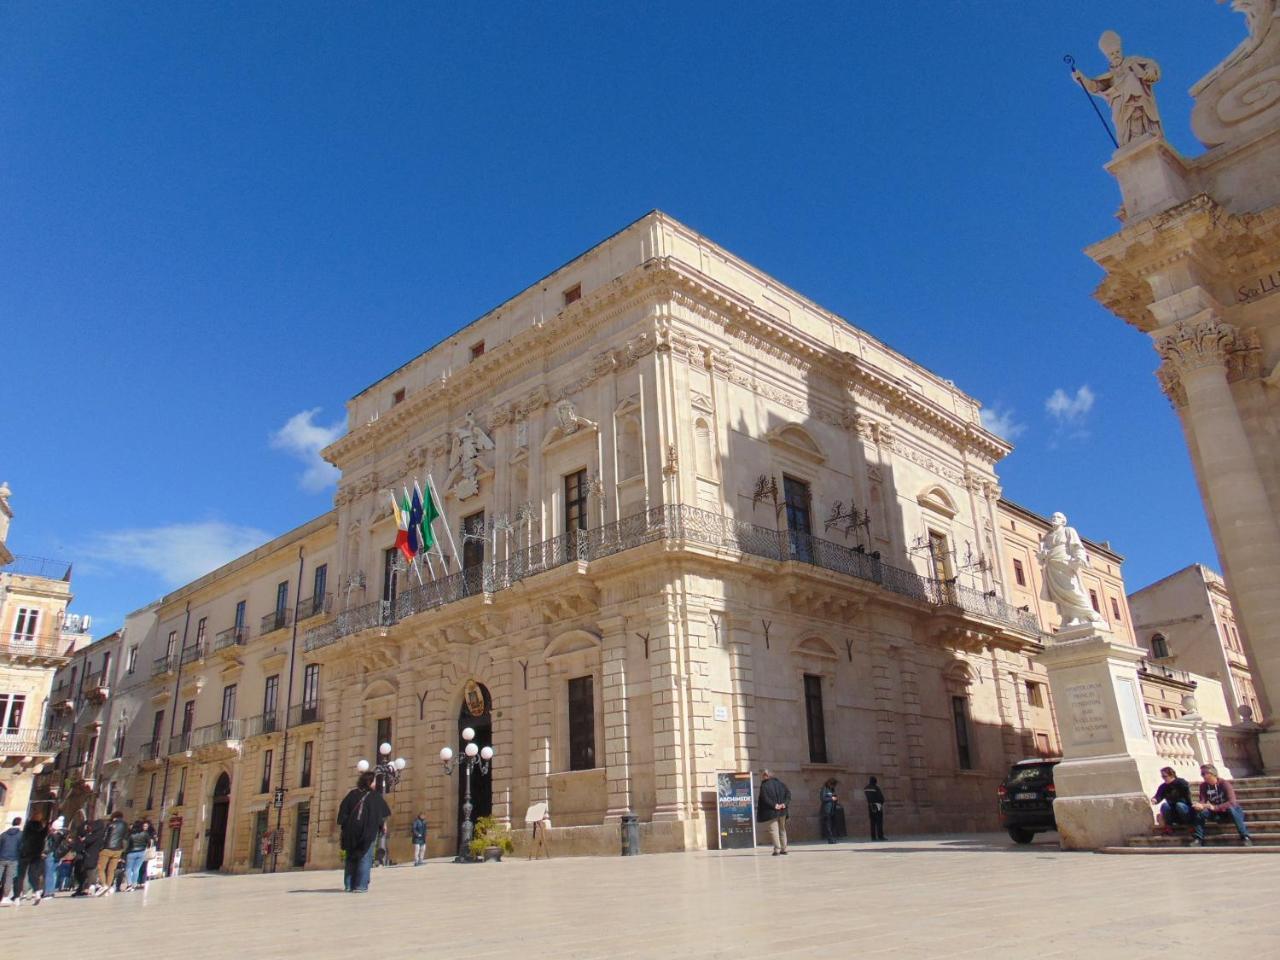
pixel 402 524
pixel 406 531
pixel 427 516
pixel 415 520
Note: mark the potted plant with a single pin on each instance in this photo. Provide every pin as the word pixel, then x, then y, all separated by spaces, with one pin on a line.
pixel 490 841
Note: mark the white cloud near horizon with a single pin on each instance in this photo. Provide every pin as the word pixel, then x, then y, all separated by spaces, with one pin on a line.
pixel 176 553
pixel 303 439
pixel 1001 422
pixel 1067 409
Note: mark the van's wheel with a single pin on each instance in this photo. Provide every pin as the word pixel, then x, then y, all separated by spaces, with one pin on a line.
pixel 1019 835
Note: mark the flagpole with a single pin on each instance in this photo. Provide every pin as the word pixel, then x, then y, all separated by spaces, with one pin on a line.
pixel 444 566
pixel 453 545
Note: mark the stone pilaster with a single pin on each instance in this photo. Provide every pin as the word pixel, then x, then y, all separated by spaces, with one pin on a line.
pixel 500 693
pixel 669 761
pixel 746 744
pixel 883 688
pixel 617 736
pixel 541 719
pixel 917 768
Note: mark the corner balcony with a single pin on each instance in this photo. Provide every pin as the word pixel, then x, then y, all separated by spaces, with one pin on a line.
pixel 276 620
pixel 26 748
pixel 680 527
pixel 34 650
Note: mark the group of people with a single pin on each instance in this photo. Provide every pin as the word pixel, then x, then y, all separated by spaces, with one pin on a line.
pixel 773 807
pixel 1217 802
pixel 95 857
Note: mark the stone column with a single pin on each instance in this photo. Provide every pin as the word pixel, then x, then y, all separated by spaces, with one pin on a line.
pixel 668 718
pixel 917 770
pixel 617 734
pixel 746 746
pixel 1110 767
pixel 887 744
pixel 503 767
pixel 1194 374
pixel 540 723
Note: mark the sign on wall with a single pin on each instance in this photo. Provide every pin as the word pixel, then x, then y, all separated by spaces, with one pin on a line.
pixel 736 809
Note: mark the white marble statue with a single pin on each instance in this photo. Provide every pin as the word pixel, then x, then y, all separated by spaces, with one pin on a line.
pixel 1127 88
pixel 1062 556
pixel 469 442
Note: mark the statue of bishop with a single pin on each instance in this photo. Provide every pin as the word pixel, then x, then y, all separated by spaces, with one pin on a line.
pixel 1127 88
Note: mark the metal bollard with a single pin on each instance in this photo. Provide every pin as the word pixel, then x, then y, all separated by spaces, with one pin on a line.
pixel 630 829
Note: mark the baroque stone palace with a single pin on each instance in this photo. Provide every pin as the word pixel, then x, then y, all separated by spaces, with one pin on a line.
pixel 1196 266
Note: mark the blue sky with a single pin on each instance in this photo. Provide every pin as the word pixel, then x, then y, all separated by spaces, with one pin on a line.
pixel 222 220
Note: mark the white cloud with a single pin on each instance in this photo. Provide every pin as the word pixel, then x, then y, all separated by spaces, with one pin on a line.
pixel 1001 422
pixel 1067 409
pixel 302 438
pixel 177 553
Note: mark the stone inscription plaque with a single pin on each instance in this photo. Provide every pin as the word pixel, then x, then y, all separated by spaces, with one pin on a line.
pixel 1087 710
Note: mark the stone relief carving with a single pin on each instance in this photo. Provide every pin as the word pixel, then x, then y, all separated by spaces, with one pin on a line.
pixel 1241 96
pixel 469 443
pixel 1202 341
pixel 1128 89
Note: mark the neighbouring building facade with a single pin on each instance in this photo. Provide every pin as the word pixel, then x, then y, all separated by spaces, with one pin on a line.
pixel 1196 266
pixel 1187 621
pixel 37 635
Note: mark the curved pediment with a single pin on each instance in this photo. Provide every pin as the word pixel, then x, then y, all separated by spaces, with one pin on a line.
pixel 572 641
pixel 938 500
pixel 796 440
pixel 379 688
pixel 816 647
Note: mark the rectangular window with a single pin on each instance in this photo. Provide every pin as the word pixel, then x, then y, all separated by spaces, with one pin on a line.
pixel 182 787
pixel 188 716
pixel 304 775
pixel 1115 610
pixel 151 792
pixel 117 746
pixel 310 691
pixel 383 736
pixel 266 771
pixel 573 294
pixel 582 724
pixel 477 350
pixel 389 576
pixel 228 703
pixel 302 834
pixel 1042 745
pixel 319 586
pixel 260 824
pixel 200 629
pixel 106 668
pixel 132 663
pixel 270 696
pixel 473 537
pixel 240 607
pixel 157 730
pixel 1093 601
pixel 171 645
pixel 960 714
pixel 1035 694
pixel 796 494
pixel 11 707
pixel 24 630
pixel 397 397
pixel 1019 574
pixel 575 502
pixel 939 555
pixel 814 719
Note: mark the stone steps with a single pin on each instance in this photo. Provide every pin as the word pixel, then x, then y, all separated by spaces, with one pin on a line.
pixel 1260 799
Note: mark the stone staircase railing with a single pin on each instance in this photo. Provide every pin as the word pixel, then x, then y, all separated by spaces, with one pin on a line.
pixel 1185 744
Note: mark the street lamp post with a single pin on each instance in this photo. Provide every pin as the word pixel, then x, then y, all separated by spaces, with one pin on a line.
pixel 473 757
pixel 386 774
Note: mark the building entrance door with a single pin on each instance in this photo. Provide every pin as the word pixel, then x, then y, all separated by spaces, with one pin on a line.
pixel 476 713
pixel 218 816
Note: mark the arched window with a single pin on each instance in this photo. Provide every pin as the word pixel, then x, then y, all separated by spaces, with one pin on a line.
pixel 1159 646
pixel 703 448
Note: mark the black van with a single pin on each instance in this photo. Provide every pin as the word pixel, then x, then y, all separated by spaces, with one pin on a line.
pixel 1026 799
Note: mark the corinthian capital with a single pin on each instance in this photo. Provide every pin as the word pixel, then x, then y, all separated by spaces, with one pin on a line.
pixel 1194 344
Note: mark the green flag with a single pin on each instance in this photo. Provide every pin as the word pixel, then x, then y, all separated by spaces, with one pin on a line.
pixel 429 515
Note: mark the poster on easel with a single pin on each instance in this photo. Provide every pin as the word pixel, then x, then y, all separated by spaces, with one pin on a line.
pixel 736 810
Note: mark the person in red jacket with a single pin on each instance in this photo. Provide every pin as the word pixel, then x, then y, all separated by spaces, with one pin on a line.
pixel 1217 802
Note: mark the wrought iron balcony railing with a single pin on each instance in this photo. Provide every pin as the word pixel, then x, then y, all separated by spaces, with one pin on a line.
pixel 35 646
pixel 194 652
pixel 180 742
pixel 277 620
pixel 216 733
pixel 678 523
pixel 261 724
pixel 301 713
pixel 231 637
pixel 315 606
pixel 26 743
pixel 149 751
pixel 38 567
pixel 166 664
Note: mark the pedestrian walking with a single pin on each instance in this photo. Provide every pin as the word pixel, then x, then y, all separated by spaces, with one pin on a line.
pixel 771 808
pixel 10 849
pixel 89 850
pixel 30 860
pixel 115 839
pixel 135 858
pixel 360 818
pixel 55 847
pixel 827 813
pixel 875 808
pixel 418 831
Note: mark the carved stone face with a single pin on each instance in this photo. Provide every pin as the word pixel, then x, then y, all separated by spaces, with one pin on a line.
pixel 1058 519
pixel 1115 56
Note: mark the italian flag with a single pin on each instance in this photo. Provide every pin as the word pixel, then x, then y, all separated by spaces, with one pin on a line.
pixel 402 523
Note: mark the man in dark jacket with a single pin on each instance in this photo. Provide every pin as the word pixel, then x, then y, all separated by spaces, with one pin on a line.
pixel 771 808
pixel 1174 799
pixel 10 848
pixel 360 818
pixel 1218 802
pixel 419 834
pixel 875 808
pixel 115 838
pixel 31 859
pixel 89 843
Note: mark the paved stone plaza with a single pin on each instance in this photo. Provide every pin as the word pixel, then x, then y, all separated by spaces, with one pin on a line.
pixel 948 897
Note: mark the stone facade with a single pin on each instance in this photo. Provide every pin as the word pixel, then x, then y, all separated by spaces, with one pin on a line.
pixel 1187 621
pixel 1196 266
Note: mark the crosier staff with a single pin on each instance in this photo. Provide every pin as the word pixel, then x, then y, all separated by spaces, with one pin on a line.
pixel 1070 61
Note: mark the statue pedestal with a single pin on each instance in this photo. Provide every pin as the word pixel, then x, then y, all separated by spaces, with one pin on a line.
pixel 1152 177
pixel 1109 766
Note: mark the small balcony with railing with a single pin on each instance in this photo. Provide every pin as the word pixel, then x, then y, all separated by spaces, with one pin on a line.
pixel 216 741
pixel 150 755
pixel 195 653
pixel 97 687
pixel 62 700
pixel 180 742
pixel 23 748
pixel 35 649
pixel 261 725
pixel 229 642
pixel 164 665
pixel 301 714
pixel 276 620
pixel 317 606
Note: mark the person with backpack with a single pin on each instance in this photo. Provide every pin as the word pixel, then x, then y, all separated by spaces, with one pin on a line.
pixel 418 831
pixel 115 837
pixel 10 845
pixel 135 857
pixel 360 819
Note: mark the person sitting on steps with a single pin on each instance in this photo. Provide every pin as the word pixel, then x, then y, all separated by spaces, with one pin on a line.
pixel 1218 803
